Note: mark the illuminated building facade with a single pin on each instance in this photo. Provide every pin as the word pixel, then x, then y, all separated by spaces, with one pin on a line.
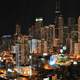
pixel 43 33
pixel 18 29
pixel 46 29
pixel 79 29
pixel 59 23
pixel 35 30
pixel 6 42
pixel 51 35
pixel 72 33
pixel 77 48
pixel 61 26
pixel 21 49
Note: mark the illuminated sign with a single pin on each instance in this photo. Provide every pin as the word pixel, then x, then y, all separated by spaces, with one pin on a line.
pixel 52 60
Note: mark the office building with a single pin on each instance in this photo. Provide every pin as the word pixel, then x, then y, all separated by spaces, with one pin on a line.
pixel 79 29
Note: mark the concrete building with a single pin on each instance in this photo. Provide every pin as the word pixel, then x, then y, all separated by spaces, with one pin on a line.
pixel 22 51
pixel 18 29
pixel 79 29
pixel 36 29
pixel 42 33
pixel 46 29
pixel 51 36
pixel 59 23
pixel 72 33
pixel 61 27
pixel 77 48
pixel 20 47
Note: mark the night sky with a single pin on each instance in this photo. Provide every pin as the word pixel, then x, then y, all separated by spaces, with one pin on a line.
pixel 25 11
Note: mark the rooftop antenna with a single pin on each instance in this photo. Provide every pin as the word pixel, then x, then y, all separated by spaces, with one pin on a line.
pixel 57 11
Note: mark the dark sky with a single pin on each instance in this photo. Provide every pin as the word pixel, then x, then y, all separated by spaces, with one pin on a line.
pixel 25 11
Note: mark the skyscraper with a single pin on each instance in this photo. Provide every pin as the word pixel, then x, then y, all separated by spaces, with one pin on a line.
pixel 72 34
pixel 18 29
pixel 73 30
pixel 21 47
pixel 35 30
pixel 51 35
pixel 22 51
pixel 79 29
pixel 61 26
pixel 59 23
pixel 38 25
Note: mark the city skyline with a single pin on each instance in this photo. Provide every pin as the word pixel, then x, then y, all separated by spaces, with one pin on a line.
pixel 25 12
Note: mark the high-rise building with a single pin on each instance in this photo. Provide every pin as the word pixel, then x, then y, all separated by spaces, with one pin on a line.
pixel 69 42
pixel 61 27
pixel 72 28
pixel 35 30
pixel 6 42
pixel 56 42
pixel 79 29
pixel 71 47
pixel 57 10
pixel 69 26
pixel 58 21
pixel 46 30
pixel 32 30
pixel 21 47
pixel 18 29
pixel 51 35
pixel 22 51
pixel 77 48
pixel 42 33
pixel 72 33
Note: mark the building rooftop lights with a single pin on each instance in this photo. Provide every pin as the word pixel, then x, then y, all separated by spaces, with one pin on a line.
pixel 39 19
pixel 46 26
pixel 45 54
pixel 51 25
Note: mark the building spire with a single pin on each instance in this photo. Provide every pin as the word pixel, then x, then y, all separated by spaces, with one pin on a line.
pixel 57 11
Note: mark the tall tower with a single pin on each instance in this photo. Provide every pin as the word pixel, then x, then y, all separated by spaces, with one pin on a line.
pixel 57 11
pixel 79 29
pixel 38 25
pixel 58 21
pixel 21 47
pixel 61 26
pixel 72 28
pixel 71 34
pixel 35 29
pixel 18 29
pixel 69 26
pixel 51 35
